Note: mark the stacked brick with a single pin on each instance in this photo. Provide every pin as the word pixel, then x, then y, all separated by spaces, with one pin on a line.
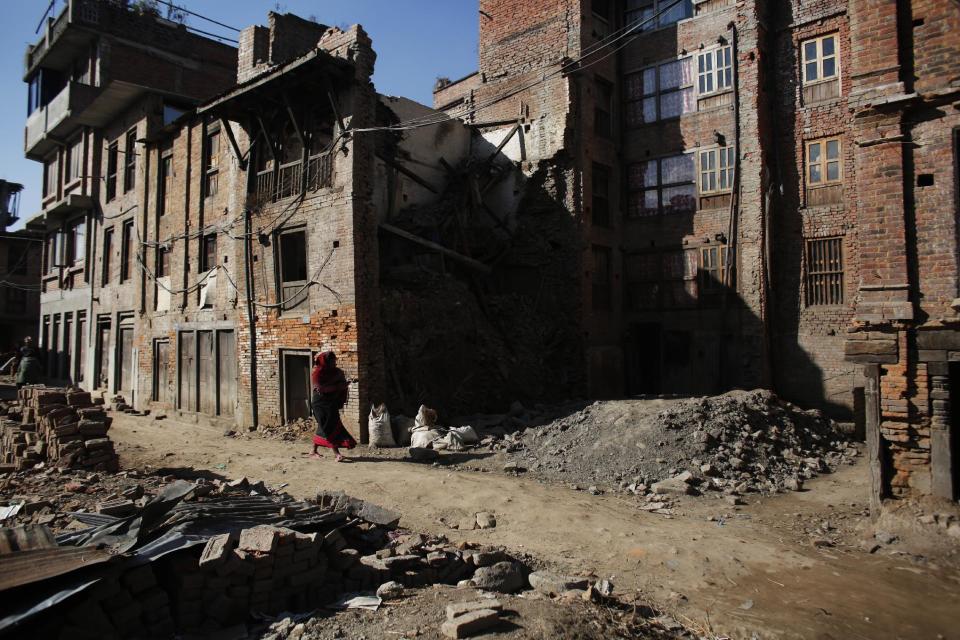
pixel 129 605
pixel 59 426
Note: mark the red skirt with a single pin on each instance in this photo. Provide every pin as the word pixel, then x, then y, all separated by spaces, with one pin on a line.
pixel 343 440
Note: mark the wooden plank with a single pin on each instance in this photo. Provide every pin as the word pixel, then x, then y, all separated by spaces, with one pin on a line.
pixel 241 159
pixel 188 372
pixel 125 368
pixel 470 262
pixel 226 373
pixel 206 374
pixel 407 172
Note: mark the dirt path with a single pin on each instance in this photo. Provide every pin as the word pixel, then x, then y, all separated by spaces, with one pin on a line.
pixel 747 573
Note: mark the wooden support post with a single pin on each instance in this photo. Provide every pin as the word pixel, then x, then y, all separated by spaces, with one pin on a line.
pixel 871 393
pixel 233 143
pixel 410 174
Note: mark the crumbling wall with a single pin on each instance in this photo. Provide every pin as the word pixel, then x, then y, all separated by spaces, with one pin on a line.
pixel 463 342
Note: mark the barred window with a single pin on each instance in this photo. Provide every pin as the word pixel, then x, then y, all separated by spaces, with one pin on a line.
pixel 661 186
pixel 715 70
pixel 716 170
pixel 820 59
pixel 824 271
pixel 660 92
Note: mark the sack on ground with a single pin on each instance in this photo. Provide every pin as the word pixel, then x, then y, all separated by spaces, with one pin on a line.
pixel 423 439
pixel 426 418
pixel 378 427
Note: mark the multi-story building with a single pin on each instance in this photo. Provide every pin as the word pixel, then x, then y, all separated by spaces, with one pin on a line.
pixel 654 196
pixel 764 194
pixel 103 78
pixel 19 271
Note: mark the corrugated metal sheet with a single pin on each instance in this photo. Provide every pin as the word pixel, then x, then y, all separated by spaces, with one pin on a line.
pixel 26 567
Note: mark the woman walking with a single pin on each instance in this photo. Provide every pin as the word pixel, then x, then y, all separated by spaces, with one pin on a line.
pixel 330 393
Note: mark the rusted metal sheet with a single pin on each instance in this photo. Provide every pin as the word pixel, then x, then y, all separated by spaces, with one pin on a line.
pixel 26 567
pixel 28 536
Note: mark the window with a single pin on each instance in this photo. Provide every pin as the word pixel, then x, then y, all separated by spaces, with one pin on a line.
pixel 655 14
pixel 293 268
pixel 660 186
pixel 659 92
pixel 823 162
pixel 33 93
pixel 714 70
pixel 76 242
pixel 50 176
pixel 601 278
pixel 713 269
pixel 112 171
pixel 163 262
pixel 130 161
pixel 211 163
pixel 75 160
pixel 601 17
pixel 126 250
pixel 820 59
pixel 107 255
pixel 601 195
pixel 602 108
pixel 824 272
pixel 208 252
pixel 660 279
pixel 163 182
pixel 716 170
pixel 16 300
pixel 53 251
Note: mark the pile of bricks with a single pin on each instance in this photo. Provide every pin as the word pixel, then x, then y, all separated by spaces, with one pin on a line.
pixel 130 604
pixel 59 426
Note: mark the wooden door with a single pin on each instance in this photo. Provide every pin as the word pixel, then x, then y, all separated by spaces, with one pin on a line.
pixel 227 372
pixel 161 371
pixel 206 374
pixel 125 364
pixel 296 385
pixel 188 372
pixel 103 354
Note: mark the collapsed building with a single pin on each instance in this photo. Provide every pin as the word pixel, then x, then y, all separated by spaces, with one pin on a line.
pixel 19 273
pixel 626 198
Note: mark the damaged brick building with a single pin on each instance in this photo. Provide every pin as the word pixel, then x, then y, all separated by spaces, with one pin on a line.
pixel 649 196
pixel 765 194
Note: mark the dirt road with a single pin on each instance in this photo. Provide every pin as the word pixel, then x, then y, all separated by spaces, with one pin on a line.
pixel 749 570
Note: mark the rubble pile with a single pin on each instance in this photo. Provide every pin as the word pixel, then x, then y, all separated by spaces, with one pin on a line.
pixel 59 426
pixel 741 441
pixel 292 431
pixel 210 555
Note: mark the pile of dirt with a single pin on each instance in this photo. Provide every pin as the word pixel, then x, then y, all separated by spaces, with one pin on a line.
pixel 293 431
pixel 737 442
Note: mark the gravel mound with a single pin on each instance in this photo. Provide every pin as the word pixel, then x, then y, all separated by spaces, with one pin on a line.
pixel 739 441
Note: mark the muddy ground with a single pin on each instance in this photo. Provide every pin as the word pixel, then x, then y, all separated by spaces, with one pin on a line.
pixel 791 565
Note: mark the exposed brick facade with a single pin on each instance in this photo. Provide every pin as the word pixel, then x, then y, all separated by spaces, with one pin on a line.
pixel 828 271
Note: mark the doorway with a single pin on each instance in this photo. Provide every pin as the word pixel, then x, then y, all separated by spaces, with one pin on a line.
pixel 296 384
pixel 103 353
pixel 125 363
pixel 161 371
pixel 644 354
